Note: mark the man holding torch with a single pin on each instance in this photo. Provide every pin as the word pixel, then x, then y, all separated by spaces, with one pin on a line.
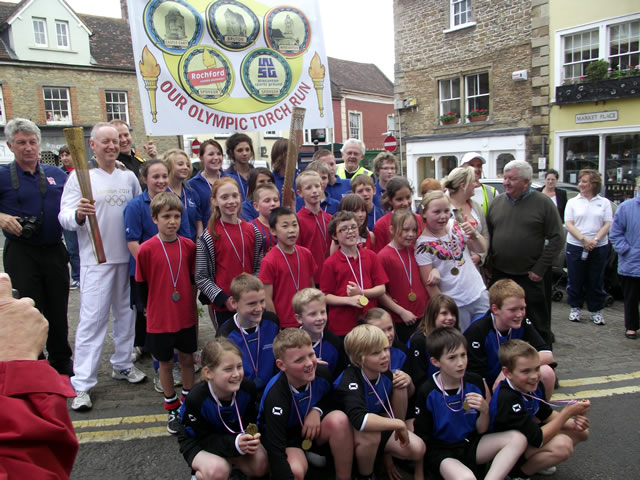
pixel 105 285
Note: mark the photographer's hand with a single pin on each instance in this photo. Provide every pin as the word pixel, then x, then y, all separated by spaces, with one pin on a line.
pixel 10 224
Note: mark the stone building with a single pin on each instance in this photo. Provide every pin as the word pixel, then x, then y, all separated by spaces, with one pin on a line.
pixel 471 58
pixel 62 69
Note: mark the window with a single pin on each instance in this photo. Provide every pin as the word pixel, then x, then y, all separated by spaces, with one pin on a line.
pixel 320 134
pixel 391 123
pixel 460 12
pixel 3 118
pixel 57 106
pixel 270 134
pixel 449 96
pixel 117 106
pixel 355 125
pixel 40 31
pixel 477 92
pixel 62 34
pixel 624 49
pixel 580 49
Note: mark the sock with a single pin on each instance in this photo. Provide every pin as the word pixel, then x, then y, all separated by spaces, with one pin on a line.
pixel 184 395
pixel 156 365
pixel 171 403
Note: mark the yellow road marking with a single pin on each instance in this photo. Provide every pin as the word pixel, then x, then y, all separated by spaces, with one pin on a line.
pixel 112 435
pixel 595 393
pixel 110 422
pixel 598 380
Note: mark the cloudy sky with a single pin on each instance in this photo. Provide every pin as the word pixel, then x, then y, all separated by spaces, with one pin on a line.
pixel 358 30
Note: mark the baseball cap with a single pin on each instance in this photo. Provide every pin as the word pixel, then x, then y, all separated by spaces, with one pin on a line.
pixel 467 157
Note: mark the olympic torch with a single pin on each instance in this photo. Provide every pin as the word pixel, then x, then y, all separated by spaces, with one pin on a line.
pixel 316 72
pixel 150 71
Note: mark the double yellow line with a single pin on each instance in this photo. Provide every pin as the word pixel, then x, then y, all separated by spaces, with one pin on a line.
pixel 99 431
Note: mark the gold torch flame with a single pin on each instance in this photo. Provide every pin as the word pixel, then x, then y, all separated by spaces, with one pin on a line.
pixel 150 71
pixel 316 72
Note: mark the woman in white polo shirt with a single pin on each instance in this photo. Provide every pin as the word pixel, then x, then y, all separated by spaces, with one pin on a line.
pixel 587 218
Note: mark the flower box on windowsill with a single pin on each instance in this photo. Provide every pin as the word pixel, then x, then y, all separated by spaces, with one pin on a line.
pixel 478 118
pixel 597 91
pixel 449 122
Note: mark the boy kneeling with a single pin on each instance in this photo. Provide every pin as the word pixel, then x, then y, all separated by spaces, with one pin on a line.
pixel 518 403
pixel 294 411
pixel 452 415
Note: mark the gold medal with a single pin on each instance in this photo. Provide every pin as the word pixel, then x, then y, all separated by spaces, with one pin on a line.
pixel 466 406
pixel 412 297
pixel 252 429
pixel 364 301
pixel 306 444
pixel 455 271
pixel 175 296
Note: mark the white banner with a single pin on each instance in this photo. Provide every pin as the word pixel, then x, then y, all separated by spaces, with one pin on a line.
pixel 229 66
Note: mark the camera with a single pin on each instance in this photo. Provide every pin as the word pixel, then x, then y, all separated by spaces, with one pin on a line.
pixel 30 226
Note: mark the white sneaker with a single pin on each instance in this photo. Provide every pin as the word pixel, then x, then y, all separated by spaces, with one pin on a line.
pixel 136 354
pixel 131 375
pixel 177 375
pixel 574 315
pixel 548 471
pixel 597 318
pixel 82 402
pixel 157 384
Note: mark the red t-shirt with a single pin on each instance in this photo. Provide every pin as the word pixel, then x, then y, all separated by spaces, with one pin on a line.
pixel 398 287
pixel 228 266
pixel 382 233
pixel 336 274
pixel 314 236
pixel 163 314
pixel 275 271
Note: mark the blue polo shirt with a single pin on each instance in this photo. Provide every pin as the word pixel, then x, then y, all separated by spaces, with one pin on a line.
pixel 31 201
pixel 338 189
pixel 202 196
pixel 240 180
pixel 139 226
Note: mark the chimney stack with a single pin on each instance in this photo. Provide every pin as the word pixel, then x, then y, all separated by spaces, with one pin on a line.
pixel 123 10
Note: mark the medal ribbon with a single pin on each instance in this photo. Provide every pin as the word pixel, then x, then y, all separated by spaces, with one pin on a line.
pixel 244 192
pixel 241 260
pixel 174 280
pixel 361 284
pixel 556 403
pixel 407 273
pixel 324 224
pixel 295 283
pixel 184 194
pixel 390 410
pixel 444 394
pixel 498 334
pixel 255 364
pixel 295 403
pixel 235 404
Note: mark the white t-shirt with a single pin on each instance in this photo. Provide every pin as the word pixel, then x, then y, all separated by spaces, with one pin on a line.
pixel 111 192
pixel 445 253
pixel 588 216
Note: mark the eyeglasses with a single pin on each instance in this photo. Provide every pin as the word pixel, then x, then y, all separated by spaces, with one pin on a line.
pixel 352 228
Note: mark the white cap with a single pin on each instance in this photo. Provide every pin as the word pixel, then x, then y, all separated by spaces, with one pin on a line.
pixel 467 157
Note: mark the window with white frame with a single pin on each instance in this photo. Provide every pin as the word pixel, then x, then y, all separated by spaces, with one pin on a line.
pixel 477 92
pixel 580 49
pixel 117 105
pixel 460 12
pixel 449 96
pixel 320 134
pixel 614 40
pixel 62 34
pixel 40 31
pixel 391 123
pixel 57 105
pixel 3 117
pixel 355 125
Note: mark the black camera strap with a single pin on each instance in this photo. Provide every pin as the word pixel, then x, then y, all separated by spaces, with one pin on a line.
pixel 15 184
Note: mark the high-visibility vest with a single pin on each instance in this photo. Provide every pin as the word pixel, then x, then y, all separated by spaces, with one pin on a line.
pixel 341 171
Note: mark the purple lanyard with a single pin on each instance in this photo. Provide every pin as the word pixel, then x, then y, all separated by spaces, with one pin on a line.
pixel 295 403
pixel 444 394
pixel 235 404
pixel 390 410
pixel 241 260
pixel 295 283
pixel 255 364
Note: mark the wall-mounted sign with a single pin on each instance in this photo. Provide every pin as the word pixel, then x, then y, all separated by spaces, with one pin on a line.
pixel 609 116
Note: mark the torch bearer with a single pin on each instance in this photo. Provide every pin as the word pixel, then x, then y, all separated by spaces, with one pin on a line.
pixel 75 142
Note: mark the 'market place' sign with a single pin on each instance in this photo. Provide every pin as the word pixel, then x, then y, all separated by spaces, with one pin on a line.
pixel 609 116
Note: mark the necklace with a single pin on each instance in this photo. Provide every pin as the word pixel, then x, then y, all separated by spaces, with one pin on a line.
pixel 364 301
pixel 175 296
pixel 241 260
pixel 296 283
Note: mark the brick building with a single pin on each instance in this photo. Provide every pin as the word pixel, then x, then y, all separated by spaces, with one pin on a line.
pixel 62 69
pixel 460 56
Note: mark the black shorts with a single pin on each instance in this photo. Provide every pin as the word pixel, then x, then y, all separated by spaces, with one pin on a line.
pixel 465 453
pixel 161 345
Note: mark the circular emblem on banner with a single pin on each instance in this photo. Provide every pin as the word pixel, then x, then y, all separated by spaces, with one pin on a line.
pixel 266 75
pixel 232 25
pixel 206 74
pixel 287 30
pixel 173 26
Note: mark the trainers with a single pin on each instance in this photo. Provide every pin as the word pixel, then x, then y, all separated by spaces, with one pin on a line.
pixel 574 315
pixel 177 375
pixel 597 318
pixel 131 375
pixel 548 471
pixel 74 285
pixel 82 402
pixel 173 422
pixel 157 385
pixel 136 354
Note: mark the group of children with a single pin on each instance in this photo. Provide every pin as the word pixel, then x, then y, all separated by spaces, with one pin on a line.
pixel 355 369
